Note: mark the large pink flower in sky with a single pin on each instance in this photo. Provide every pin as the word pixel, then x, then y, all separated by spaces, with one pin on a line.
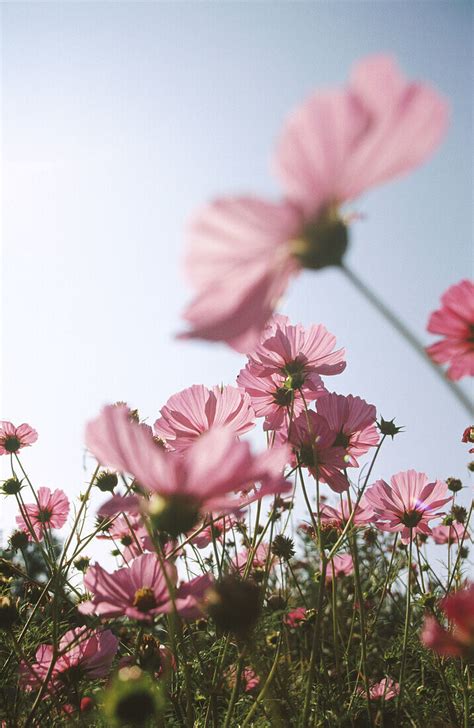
pixel 189 413
pixel 352 421
pixel 337 144
pixel 49 511
pixel 408 503
pixel 207 478
pixel 82 654
pixel 455 322
pixel 140 591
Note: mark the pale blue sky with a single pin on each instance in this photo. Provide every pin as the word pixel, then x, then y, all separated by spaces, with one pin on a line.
pixel 120 119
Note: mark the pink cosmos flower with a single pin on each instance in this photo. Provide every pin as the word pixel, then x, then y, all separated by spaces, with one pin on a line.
pixel 338 144
pixel 453 534
pixel 130 532
pixel 314 449
pixel 218 527
pixel 250 679
pixel 458 640
pixel 340 565
pixel 195 410
pixel 337 516
pixel 82 654
pixel 286 367
pixel 239 562
pixel 352 421
pixel 296 617
pixel 386 689
pixel 50 511
pixel 14 438
pixel 205 479
pixel 407 504
pixel 455 321
pixel 140 591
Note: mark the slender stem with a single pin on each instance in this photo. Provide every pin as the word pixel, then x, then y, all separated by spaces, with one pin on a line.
pixel 262 694
pixel 407 334
pixel 407 629
pixel 314 647
pixel 236 689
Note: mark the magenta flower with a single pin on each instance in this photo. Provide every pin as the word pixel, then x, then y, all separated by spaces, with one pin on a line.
pixel 130 532
pixel 14 438
pixel 218 528
pixel 250 679
pixel 259 561
pixel 195 410
pixel 352 421
pixel 458 640
pixel 407 504
pixel 284 370
pixel 296 617
pixel 82 654
pixel 205 479
pixel 386 689
pixel 140 591
pixel 335 146
pixel 455 321
pixel 340 565
pixel 50 511
pixel 468 436
pixel 312 441
pixel 453 534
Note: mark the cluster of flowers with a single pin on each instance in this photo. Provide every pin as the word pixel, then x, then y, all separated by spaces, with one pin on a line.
pixel 181 491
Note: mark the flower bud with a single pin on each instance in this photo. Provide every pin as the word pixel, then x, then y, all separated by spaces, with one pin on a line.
pixel 134 699
pixel 283 547
pixel 18 540
pixel 12 486
pixel 454 484
pixel 8 613
pixel 106 481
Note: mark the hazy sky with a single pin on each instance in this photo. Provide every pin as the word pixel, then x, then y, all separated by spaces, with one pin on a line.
pixel 120 119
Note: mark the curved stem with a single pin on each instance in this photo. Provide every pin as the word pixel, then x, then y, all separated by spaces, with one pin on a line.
pixel 407 334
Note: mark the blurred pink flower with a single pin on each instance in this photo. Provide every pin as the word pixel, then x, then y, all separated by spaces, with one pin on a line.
pixel 458 640
pixel 50 511
pixel 250 679
pixel 140 591
pixel 386 689
pixel 130 532
pixel 208 476
pixel 14 438
pixel 259 561
pixel 453 534
pixel 352 421
pixel 286 367
pixel 82 654
pixel 312 441
pixel 408 503
pixel 337 516
pixel 195 410
pixel 336 145
pixel 219 527
pixel 296 617
pixel 455 321
pixel 340 565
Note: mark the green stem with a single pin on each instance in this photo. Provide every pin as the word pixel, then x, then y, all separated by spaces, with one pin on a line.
pixel 406 631
pixel 407 334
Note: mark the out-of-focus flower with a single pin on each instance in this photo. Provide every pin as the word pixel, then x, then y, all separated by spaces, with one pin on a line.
pixel 234 604
pixel 296 617
pixel 130 532
pixel 285 369
pixel 259 561
pixel 338 516
pixel 50 511
pixel 458 639
pixel 82 654
pixel 337 144
pixel 217 528
pixel 133 695
pixel 140 591
pixel 14 438
pixel 407 504
pixel 195 410
pixel 312 441
pixel 352 422
pixel 249 678
pixel 340 565
pixel 205 479
pixel 455 321
pixel 386 689
pixel 452 534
